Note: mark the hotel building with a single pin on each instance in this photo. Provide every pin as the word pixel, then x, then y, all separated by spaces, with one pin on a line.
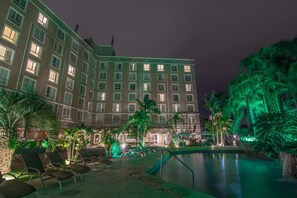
pixel 86 81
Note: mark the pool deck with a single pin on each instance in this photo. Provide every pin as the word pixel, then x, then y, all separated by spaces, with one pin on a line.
pixel 127 177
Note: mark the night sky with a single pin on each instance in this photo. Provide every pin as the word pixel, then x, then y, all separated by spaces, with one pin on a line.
pixel 216 33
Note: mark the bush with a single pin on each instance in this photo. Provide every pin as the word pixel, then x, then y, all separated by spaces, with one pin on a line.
pixel 275 132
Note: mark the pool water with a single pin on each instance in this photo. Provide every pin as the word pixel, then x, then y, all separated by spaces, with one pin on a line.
pixel 232 175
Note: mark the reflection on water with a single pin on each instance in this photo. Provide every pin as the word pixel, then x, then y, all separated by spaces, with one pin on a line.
pixel 232 175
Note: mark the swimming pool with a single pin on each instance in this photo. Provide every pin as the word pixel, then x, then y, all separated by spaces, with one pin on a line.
pixel 230 175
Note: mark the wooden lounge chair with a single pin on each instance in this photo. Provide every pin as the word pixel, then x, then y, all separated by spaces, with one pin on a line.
pixel 34 166
pixel 15 188
pixel 94 160
pixel 57 162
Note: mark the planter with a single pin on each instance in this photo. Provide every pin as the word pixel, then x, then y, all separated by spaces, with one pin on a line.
pixel 29 150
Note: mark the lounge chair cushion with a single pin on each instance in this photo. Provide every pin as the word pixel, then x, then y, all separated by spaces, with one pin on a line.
pixel 79 168
pixel 59 174
pixel 15 188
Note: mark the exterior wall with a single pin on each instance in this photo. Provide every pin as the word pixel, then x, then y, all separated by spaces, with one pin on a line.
pixel 87 73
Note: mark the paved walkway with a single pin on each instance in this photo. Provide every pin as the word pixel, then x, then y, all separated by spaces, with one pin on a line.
pixel 127 177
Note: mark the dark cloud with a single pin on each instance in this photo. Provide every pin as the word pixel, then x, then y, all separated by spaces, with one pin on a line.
pixel 217 33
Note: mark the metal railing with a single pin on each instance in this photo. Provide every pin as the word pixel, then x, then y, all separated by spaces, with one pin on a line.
pixel 172 154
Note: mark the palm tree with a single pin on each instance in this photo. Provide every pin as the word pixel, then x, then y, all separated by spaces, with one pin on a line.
pixel 173 122
pixel 23 111
pixel 142 118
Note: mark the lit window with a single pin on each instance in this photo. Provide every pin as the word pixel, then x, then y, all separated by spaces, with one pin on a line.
pixel 15 17
pixel 146 87
pixel 21 3
pixel 187 68
pixel 174 68
pixel 28 85
pixel 161 87
pixel 190 108
pixel 146 67
pixel 68 98
pixel 56 62
pixel 61 35
pixel 102 75
pixel 73 58
pixel 189 87
pixel 116 119
pixel 42 20
pixel 74 46
pixel 39 34
pixel 146 77
pixel 82 90
pixel 132 67
pixel 100 107
pixel 66 113
pixel 117 86
pixel 102 86
pixel 10 35
pixel 81 102
pixel 118 75
pixel 132 96
pixel 118 66
pixel 90 106
pixel 176 108
pixel 131 107
pixel 160 67
pixel 162 108
pixel 53 76
pixel 101 96
pixel 35 50
pixel 189 98
pixel 71 70
pixel 116 107
pixel 132 86
pixel 32 67
pixel 51 92
pixel 174 77
pixel 58 48
pixel 69 83
pixel 4 75
pixel 6 54
pixel 132 76
pixel 191 119
pixel 117 96
pixel 188 77
pixel 175 87
pixel 161 97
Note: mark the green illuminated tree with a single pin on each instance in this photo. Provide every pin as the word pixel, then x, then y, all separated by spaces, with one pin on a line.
pixel 175 121
pixel 23 111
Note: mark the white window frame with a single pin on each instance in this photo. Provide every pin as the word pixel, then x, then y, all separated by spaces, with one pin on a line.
pixel 36 50
pixel 55 93
pixel 114 86
pixel 53 76
pixel 146 67
pixel 147 87
pixel 132 67
pixel 101 96
pixel 105 85
pixel 100 107
pixel 66 116
pixel 10 34
pixel 187 68
pixel 42 20
pixel 116 107
pixel 129 98
pixel 7 76
pixel 177 96
pixel 32 67
pixel 71 70
pixel 30 79
pixel 114 94
pixel 72 83
pixel 71 98
pixel 130 105
pixel 160 67
pixel 161 97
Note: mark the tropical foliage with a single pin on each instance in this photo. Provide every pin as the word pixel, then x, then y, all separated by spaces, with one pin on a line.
pixel 141 120
pixel 75 139
pixel 24 111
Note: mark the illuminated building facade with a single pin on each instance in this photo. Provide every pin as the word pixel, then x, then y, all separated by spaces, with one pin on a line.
pixel 87 82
